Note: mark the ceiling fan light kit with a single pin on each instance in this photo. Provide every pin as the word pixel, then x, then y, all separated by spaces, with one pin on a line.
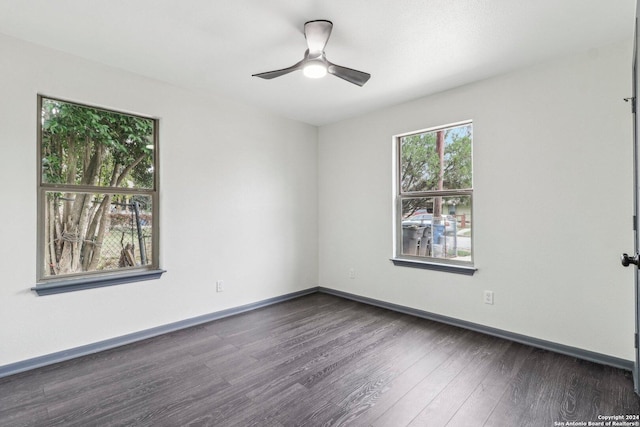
pixel 314 70
pixel 315 64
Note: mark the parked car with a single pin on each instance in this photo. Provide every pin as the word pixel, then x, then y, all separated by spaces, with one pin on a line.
pixel 425 219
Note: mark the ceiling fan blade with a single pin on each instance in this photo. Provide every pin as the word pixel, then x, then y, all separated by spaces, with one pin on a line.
pixel 352 76
pixel 317 34
pixel 278 73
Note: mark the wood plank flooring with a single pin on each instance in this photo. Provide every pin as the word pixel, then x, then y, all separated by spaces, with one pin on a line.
pixel 318 360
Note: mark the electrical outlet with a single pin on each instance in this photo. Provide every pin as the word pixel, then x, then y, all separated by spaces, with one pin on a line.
pixel 219 286
pixel 352 273
pixel 488 297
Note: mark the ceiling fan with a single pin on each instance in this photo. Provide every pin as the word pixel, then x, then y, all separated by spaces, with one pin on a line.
pixel 315 64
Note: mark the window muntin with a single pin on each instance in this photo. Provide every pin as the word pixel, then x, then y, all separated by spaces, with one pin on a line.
pixel 98 209
pixel 434 195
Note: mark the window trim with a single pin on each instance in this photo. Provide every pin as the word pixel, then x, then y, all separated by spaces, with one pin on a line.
pixel 47 285
pixel 70 284
pixel 427 263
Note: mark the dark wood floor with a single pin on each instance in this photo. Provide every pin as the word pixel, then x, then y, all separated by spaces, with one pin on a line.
pixel 315 361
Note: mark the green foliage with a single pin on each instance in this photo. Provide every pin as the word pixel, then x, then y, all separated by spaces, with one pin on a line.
pixel 421 162
pixel 83 145
pixel 421 167
pixel 457 155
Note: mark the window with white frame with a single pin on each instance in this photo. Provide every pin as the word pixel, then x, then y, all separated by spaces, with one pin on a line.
pixel 434 192
pixel 97 197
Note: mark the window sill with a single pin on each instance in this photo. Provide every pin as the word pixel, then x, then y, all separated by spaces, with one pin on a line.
pixel 72 285
pixel 425 265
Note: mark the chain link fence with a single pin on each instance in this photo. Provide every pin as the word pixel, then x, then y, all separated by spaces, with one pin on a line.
pixel 128 241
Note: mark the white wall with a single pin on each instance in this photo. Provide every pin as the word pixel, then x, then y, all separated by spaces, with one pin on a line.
pixel 238 203
pixel 556 134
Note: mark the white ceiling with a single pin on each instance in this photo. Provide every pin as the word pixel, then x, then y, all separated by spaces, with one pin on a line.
pixel 411 48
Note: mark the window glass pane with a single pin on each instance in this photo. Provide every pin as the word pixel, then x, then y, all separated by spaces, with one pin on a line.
pixel 86 232
pixel 437 227
pixel 436 160
pixel 89 146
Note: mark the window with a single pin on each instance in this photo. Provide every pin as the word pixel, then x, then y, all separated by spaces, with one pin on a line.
pixel 434 198
pixel 97 197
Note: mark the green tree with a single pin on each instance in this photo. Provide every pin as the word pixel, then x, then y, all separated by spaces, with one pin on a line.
pixel 426 168
pixel 96 152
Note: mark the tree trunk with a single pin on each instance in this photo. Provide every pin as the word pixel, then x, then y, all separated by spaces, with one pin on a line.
pixel 77 241
pixel 105 225
pixel 51 252
pixel 437 202
pixel 58 226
